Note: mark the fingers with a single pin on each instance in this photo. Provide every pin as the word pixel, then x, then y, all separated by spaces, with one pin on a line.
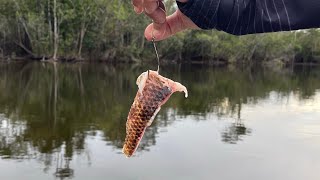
pixel 150 6
pixel 173 24
pixel 138 6
pixel 162 26
pixel 159 14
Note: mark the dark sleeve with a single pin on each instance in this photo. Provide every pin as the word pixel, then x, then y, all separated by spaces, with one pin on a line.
pixel 241 17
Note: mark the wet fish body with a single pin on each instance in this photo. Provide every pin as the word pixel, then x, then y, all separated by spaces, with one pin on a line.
pixel 154 91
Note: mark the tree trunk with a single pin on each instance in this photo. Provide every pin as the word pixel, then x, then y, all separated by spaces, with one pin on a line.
pixel 55 100
pixel 25 49
pixel 4 43
pixel 82 33
pixel 49 26
pixel 55 31
pixel 28 39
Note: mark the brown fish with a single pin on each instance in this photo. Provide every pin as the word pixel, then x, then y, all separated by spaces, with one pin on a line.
pixel 154 91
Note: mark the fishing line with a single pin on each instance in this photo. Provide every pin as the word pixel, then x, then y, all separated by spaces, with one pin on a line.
pixel 155 49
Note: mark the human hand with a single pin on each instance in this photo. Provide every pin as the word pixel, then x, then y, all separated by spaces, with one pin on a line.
pixel 162 26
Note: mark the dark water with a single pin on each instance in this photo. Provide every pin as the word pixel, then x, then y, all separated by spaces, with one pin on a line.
pixel 68 121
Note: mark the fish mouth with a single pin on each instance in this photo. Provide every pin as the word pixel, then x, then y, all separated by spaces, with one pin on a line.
pixel 175 86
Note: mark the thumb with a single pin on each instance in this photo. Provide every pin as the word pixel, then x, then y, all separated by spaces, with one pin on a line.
pixel 174 23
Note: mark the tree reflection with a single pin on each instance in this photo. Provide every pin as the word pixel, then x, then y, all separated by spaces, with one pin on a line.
pixel 51 108
pixel 63 169
pixel 236 130
pixel 235 133
pixel 12 144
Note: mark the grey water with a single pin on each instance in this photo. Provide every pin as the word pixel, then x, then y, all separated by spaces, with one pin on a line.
pixel 67 121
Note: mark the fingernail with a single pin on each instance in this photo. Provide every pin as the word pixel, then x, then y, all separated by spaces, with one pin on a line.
pixel 137 10
pixel 147 11
pixel 155 34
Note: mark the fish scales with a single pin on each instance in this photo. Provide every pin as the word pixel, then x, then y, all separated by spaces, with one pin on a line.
pixel 154 91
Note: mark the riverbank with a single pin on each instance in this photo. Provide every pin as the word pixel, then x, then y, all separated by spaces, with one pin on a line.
pixel 106 31
pixel 271 63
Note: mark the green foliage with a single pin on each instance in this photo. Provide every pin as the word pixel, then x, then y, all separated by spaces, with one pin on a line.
pixel 110 30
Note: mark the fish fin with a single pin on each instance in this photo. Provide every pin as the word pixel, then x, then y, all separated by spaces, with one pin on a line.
pixel 153 116
pixel 141 81
pixel 181 88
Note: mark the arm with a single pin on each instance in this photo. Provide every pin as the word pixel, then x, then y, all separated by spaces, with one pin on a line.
pixel 241 17
pixel 236 17
pixel 162 26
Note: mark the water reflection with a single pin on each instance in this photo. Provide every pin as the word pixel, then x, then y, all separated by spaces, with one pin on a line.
pixel 63 169
pixel 48 110
pixel 235 133
pixel 236 130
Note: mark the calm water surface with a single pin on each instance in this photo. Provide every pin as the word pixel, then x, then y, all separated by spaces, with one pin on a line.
pixel 67 121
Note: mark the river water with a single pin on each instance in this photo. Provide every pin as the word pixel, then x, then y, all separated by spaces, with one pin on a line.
pixel 67 121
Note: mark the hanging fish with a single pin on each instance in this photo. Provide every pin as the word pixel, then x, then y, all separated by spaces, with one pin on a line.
pixel 154 91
